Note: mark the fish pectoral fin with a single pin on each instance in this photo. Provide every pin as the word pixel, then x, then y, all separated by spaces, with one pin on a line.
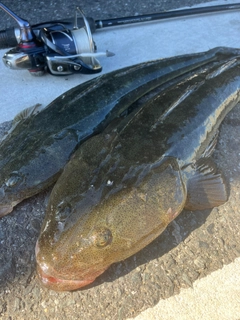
pixel 28 112
pixel 21 116
pixel 209 150
pixel 206 187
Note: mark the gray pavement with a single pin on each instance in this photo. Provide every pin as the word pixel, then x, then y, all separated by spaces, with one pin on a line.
pixel 39 11
pixel 191 250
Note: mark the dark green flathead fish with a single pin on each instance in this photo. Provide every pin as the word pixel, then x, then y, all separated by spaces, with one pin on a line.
pixel 123 186
pixel 33 154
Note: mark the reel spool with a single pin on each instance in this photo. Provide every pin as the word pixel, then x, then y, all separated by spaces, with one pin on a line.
pixel 84 41
pixel 74 50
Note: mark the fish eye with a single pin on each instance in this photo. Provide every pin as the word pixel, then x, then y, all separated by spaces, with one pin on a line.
pixel 14 179
pixel 102 237
pixel 63 210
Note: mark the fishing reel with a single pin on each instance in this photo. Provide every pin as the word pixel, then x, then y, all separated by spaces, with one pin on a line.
pixel 58 47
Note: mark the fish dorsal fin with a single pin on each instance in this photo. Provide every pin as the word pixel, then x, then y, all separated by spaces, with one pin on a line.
pixel 26 113
pixel 206 187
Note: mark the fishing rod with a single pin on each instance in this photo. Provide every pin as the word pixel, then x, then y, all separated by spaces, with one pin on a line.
pixel 165 15
pixel 66 46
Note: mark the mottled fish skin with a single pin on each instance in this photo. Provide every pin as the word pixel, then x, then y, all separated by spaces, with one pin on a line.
pixel 123 186
pixel 34 153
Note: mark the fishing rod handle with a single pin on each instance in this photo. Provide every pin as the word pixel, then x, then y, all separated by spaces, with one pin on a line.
pixel 8 38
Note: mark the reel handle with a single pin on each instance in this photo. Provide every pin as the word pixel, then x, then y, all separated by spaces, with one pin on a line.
pixel 26 34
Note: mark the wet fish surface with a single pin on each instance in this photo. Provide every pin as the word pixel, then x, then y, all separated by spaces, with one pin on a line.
pixel 123 186
pixel 35 151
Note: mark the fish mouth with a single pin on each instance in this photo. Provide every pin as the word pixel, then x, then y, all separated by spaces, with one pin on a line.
pixel 52 281
pixel 58 284
pixel 4 210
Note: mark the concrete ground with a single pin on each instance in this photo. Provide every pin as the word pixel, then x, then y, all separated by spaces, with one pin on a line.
pixel 217 296
pixel 192 270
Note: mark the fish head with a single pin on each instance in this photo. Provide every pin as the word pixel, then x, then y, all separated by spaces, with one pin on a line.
pixel 9 191
pixel 24 175
pixel 18 183
pixel 82 235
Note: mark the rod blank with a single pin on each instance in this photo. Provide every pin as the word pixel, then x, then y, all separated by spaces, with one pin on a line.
pixel 165 15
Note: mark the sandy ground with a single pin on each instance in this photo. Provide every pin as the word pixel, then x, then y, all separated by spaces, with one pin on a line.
pixel 192 270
